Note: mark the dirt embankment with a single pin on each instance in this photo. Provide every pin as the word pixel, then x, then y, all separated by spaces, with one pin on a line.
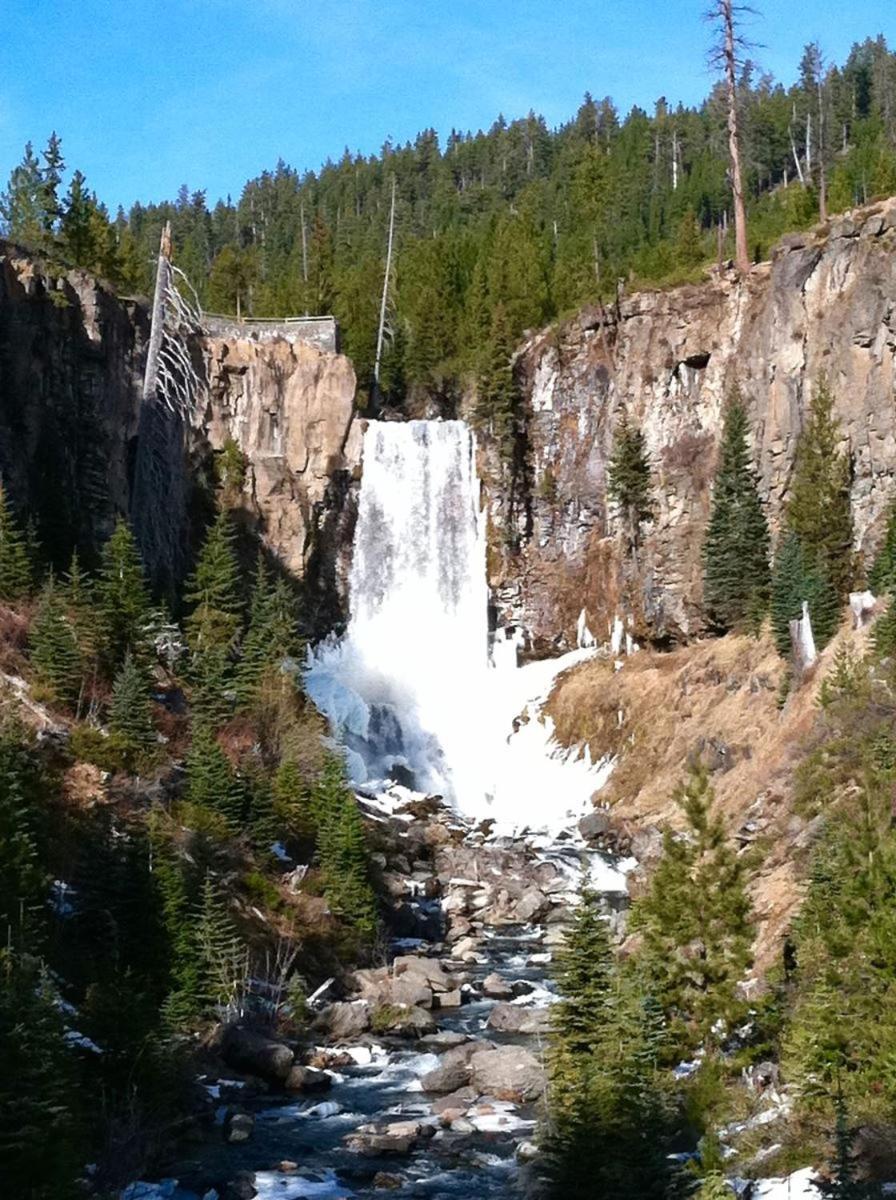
pixel 720 699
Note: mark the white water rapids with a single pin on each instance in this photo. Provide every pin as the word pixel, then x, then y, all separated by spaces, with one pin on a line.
pixel 411 690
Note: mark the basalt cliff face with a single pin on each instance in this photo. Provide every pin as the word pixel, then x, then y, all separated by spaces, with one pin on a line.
pixel 824 305
pixel 71 365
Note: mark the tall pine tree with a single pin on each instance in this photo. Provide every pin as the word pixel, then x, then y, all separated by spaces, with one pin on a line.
pixel 798 577
pixel 123 606
pixel 736 574
pixel 15 567
pixel 628 479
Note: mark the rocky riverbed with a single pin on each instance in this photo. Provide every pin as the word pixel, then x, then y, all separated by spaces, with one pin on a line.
pixel 426 1076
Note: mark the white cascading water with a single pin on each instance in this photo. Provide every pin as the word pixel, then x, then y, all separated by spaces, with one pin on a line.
pixel 409 689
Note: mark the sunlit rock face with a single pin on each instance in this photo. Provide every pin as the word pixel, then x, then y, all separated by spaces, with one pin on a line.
pixel 822 306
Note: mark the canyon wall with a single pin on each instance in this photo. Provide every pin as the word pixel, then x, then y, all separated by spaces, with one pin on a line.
pixel 71 366
pixel 823 306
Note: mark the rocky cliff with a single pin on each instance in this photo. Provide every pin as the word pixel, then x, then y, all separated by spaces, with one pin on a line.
pixel 71 365
pixel 824 305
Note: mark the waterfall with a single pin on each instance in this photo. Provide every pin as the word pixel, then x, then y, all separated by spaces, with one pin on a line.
pixel 409 690
pixel 395 687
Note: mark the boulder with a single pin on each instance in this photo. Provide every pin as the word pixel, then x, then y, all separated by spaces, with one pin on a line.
pixel 594 824
pixel 496 987
pixel 446 1078
pixel 427 972
pixel 507 1073
pixel 513 1018
pixel 238 1126
pixel 403 1021
pixel 453 999
pixel 307 1079
pixel 254 1054
pixel 241 1187
pixel 399 1137
pixel 345 1020
pixel 445 1039
pixel 455 1104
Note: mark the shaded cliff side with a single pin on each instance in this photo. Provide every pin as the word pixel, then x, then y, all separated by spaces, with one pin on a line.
pixel 824 305
pixel 71 366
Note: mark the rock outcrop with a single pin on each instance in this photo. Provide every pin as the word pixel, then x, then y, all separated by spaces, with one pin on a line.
pixel 71 368
pixel 825 305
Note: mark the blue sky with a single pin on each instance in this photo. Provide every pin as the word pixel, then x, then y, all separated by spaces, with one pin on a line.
pixel 149 94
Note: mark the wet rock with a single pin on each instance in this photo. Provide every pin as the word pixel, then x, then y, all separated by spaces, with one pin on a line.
pixel 238 1126
pixel 345 1020
pixel 400 1137
pixel 254 1054
pixel 496 987
pixel 412 968
pixel 380 987
pixel 594 824
pixel 307 1079
pixel 446 1078
pixel 241 1187
pixel 402 1021
pixel 456 1103
pixel 445 1039
pixel 384 1181
pixel 452 999
pixel 513 1018
pixel 507 1073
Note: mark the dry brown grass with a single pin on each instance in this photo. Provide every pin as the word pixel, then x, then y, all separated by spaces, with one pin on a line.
pixel 718 699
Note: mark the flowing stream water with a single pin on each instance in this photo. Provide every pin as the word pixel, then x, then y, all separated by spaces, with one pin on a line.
pixel 413 692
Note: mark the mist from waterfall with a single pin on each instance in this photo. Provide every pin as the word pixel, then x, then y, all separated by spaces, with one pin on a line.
pixel 409 690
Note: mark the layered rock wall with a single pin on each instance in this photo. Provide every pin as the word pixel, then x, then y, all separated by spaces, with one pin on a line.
pixel 71 367
pixel 824 306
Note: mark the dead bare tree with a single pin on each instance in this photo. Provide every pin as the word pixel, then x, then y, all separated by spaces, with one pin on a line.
pixel 385 300
pixel 725 56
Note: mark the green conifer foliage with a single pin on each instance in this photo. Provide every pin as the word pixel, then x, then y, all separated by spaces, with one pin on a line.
pixel 342 850
pixel 15 567
pixel 628 479
pixel 583 973
pixel 78 598
pixel 736 551
pixel 214 590
pixel 294 800
pixel 272 634
pixel 53 643
pixel 222 956
pixel 41 1146
pixel 696 920
pixel 818 509
pixel 796 577
pixel 23 881
pixel 498 400
pixel 211 781
pixel 882 577
pixel 123 606
pixel 130 711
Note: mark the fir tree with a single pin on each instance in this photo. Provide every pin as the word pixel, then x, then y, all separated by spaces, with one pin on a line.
pixel 294 799
pixel 23 881
pixel 797 578
pixel 583 971
pixel 497 403
pixel 211 781
pixel 882 577
pixel 736 551
pixel 41 1147
pixel 123 606
pixel 214 590
pixel 15 567
pixel 222 958
pixel 628 479
pixel 696 920
pixel 22 204
pixel 78 598
pixel 272 634
pixel 342 850
pixel 130 711
pixel 54 649
pixel 818 509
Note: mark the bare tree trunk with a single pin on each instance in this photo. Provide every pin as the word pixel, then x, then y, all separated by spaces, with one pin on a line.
pixel 725 13
pixel 304 246
pixel 674 160
pixel 822 170
pixel 384 301
pixel 809 144
pixel 157 322
pixel 796 157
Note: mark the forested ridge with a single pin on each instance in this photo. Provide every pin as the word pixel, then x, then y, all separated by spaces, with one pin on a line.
pixel 497 231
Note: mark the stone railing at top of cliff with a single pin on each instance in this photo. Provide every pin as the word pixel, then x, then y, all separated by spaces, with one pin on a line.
pixel 322 332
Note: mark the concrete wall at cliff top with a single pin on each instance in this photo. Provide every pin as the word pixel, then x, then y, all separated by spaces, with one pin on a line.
pixel 823 305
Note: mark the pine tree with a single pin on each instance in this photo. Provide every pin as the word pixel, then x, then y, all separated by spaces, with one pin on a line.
pixel 22 204
pixel 41 1147
pixel 882 577
pixel 130 711
pixel 696 920
pixel 211 781
pixel 583 971
pixel 23 881
pixel 214 590
pixel 222 958
pixel 497 402
pixel 795 579
pixel 55 653
pixel 123 602
pixel 736 550
pixel 342 850
pixel 272 634
pixel 628 479
pixel 15 567
pixel 78 598
pixel 294 800
pixel 819 510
